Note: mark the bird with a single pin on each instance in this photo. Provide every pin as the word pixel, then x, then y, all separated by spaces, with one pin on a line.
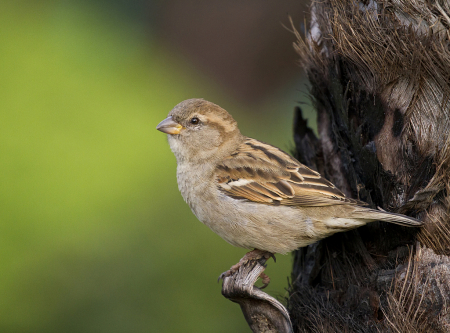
pixel 252 194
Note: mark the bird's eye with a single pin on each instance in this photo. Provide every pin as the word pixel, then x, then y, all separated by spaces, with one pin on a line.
pixel 195 121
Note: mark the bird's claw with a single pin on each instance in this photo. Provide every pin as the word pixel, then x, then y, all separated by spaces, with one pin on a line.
pixel 225 274
pixel 265 279
pixel 233 269
pixel 272 255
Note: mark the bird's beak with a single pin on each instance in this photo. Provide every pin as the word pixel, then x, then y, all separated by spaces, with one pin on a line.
pixel 169 126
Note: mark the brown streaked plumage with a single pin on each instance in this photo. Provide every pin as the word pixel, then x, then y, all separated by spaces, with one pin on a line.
pixel 262 173
pixel 253 194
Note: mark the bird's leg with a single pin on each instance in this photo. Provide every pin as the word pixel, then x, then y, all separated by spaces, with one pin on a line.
pixel 252 255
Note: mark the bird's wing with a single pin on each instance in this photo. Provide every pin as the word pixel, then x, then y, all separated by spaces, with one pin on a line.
pixel 262 173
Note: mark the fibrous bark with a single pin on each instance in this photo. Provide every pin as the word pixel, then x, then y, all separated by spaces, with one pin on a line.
pixel 380 82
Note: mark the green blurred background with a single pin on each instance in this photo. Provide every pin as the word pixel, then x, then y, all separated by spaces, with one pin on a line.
pixel 95 236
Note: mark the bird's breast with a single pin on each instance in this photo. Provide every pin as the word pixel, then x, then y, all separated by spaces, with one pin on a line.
pixel 195 188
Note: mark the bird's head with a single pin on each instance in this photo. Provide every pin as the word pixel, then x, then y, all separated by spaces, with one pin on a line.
pixel 199 130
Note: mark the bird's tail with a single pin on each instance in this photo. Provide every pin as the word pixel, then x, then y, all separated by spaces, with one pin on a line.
pixel 380 215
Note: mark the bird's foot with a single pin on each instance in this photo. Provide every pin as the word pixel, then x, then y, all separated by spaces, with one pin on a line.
pixel 265 279
pixel 252 255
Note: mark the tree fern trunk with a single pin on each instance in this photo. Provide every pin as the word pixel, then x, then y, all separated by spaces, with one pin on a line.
pixel 380 82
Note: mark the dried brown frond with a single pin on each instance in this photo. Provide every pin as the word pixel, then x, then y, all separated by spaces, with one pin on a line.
pixel 435 234
pixel 419 298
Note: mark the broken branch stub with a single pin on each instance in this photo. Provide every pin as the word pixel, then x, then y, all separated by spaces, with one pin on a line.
pixel 262 312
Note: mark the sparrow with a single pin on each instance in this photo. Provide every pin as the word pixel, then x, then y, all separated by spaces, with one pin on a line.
pixel 252 194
